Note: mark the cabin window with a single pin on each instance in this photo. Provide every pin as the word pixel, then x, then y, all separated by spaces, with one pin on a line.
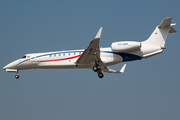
pixel 49 55
pixel 69 53
pixel 59 54
pixel 74 53
pixel 64 54
pixel 54 55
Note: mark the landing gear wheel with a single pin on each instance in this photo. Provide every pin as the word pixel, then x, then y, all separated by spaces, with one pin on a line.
pixel 16 76
pixel 95 68
pixel 100 75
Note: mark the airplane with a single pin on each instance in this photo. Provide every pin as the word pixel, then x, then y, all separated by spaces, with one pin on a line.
pixel 96 58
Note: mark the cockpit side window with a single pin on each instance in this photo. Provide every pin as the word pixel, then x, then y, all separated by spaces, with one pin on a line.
pixel 24 57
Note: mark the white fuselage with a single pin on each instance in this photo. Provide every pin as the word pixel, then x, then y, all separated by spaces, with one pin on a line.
pixel 97 58
pixel 67 59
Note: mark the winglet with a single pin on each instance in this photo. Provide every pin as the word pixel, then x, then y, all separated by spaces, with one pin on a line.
pixel 123 68
pixel 98 35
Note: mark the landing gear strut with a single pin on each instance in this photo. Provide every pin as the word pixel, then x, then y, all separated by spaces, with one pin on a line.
pixel 17 76
pixel 98 70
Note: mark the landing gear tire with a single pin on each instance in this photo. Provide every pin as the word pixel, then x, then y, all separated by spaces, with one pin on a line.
pixel 95 68
pixel 100 75
pixel 16 76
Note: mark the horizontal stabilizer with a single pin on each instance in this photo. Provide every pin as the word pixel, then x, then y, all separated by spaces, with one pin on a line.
pixel 165 23
pixel 106 69
pixel 159 36
pixel 172 30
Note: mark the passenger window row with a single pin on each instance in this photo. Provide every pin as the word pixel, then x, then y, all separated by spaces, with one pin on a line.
pixel 64 54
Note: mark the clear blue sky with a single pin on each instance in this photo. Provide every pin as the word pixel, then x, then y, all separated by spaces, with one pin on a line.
pixel 148 90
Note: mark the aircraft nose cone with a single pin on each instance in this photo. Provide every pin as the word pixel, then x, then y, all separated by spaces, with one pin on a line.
pixel 4 68
pixel 7 66
pixel 11 65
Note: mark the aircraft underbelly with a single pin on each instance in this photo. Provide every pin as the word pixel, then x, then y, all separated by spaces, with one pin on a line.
pixel 61 65
pixel 111 59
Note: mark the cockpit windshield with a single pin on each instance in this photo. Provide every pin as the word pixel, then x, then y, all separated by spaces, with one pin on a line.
pixel 24 56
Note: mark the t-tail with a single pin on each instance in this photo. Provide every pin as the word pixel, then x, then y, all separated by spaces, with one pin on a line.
pixel 156 42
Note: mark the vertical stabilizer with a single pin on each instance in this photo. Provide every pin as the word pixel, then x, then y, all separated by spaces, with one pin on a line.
pixel 159 36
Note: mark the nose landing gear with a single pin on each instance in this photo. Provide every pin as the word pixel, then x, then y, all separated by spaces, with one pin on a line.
pixel 16 76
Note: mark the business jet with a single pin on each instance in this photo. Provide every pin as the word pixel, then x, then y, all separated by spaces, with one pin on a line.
pixel 96 58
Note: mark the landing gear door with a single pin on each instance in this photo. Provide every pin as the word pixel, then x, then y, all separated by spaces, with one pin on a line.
pixel 33 59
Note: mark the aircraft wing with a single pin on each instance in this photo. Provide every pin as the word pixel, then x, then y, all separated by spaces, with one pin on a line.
pixel 92 52
pixel 106 69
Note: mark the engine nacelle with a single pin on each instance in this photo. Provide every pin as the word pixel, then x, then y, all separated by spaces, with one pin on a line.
pixel 125 46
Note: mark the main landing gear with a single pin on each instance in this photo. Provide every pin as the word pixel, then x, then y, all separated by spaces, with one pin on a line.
pixel 100 75
pixel 96 69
